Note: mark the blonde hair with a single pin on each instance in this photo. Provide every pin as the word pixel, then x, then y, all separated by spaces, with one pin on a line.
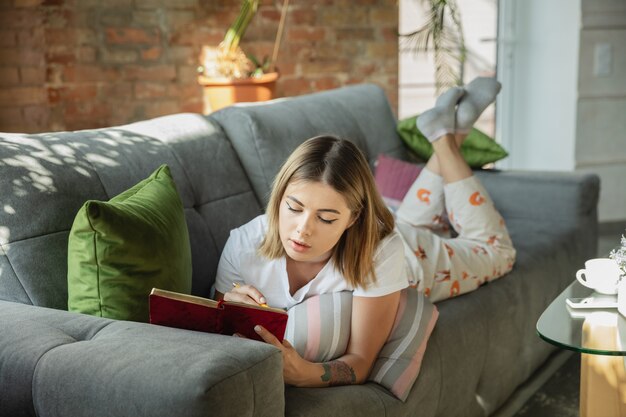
pixel 340 164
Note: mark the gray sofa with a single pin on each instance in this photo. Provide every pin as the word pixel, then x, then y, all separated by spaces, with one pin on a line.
pixel 56 363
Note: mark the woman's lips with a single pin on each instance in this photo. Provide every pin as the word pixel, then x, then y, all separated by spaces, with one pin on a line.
pixel 299 246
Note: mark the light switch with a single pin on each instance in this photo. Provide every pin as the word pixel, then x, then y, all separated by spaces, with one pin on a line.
pixel 602 59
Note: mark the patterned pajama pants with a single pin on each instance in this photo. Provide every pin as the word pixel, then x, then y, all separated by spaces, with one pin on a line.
pixel 445 266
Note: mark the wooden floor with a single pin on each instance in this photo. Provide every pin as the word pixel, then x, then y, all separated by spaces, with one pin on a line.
pixel 559 396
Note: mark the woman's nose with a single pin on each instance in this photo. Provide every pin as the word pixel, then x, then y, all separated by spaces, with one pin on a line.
pixel 304 227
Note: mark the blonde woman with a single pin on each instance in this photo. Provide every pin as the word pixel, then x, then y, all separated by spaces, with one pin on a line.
pixel 327 229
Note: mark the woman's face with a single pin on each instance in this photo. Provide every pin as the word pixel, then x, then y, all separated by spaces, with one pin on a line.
pixel 311 219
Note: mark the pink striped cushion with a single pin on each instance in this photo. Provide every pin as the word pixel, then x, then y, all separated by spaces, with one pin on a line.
pixel 319 329
pixel 399 361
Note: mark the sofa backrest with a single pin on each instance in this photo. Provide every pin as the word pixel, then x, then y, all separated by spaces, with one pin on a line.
pixel 264 135
pixel 223 166
pixel 45 179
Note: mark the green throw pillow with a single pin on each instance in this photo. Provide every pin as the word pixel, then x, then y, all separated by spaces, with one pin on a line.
pixel 119 250
pixel 478 149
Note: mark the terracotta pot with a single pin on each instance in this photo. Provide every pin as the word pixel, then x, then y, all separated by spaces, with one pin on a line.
pixel 222 92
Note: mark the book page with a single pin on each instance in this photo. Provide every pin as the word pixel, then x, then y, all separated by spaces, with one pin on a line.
pixel 207 301
pixel 273 309
pixel 185 297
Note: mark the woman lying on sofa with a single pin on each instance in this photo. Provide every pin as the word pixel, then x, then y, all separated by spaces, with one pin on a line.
pixel 327 230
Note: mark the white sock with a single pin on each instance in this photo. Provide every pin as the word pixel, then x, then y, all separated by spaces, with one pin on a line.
pixel 440 120
pixel 479 93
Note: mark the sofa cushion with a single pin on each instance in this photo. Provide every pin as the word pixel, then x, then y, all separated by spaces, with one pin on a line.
pixel 121 368
pixel 22 345
pixel 119 250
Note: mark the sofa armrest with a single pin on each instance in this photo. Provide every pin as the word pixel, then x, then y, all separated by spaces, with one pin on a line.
pixel 56 363
pixel 548 203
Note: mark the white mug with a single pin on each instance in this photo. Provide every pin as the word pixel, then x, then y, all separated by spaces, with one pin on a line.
pixel 600 274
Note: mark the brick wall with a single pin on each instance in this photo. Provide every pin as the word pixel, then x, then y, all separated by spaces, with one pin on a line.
pixel 77 64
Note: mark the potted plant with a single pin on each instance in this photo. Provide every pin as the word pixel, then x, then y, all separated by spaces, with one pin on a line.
pixel 228 75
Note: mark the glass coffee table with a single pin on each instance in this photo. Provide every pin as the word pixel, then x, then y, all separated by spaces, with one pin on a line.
pixel 600 336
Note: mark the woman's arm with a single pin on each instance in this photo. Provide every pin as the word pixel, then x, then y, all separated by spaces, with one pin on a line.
pixel 372 319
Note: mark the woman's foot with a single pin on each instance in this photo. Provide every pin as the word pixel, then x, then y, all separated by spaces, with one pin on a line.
pixel 479 94
pixel 440 120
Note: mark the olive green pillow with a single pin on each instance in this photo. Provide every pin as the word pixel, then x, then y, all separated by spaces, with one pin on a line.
pixel 478 148
pixel 120 249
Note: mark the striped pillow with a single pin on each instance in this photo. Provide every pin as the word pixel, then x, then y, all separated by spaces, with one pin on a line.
pixel 319 329
pixel 399 361
pixel 314 342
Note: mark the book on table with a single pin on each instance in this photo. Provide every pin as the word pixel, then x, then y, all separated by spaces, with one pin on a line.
pixel 183 311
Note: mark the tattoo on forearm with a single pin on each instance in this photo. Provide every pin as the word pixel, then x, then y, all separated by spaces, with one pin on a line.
pixel 338 373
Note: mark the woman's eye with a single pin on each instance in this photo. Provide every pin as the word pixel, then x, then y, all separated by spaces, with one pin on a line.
pixel 327 221
pixel 292 209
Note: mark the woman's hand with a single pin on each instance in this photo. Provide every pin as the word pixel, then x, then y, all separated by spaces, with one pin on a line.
pixel 245 294
pixel 295 368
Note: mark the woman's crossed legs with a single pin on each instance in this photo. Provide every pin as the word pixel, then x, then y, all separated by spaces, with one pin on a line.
pixel 483 250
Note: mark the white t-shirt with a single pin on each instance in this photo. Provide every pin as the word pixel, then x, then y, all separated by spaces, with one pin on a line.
pixel 241 263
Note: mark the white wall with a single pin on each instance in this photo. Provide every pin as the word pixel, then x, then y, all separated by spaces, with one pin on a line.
pixel 566 110
pixel 538 66
pixel 556 111
pixel 601 124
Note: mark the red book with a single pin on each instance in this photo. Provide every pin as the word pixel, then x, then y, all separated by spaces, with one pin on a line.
pixel 189 312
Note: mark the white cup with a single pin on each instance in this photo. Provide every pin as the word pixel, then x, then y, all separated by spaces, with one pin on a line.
pixel 600 274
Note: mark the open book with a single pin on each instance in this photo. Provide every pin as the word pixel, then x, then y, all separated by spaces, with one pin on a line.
pixel 189 312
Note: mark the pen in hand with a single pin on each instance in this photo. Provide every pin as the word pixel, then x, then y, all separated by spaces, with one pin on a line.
pixel 236 285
